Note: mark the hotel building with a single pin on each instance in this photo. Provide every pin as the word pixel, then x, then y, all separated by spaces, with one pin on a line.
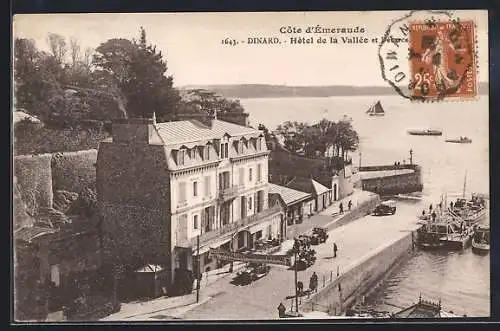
pixel 163 185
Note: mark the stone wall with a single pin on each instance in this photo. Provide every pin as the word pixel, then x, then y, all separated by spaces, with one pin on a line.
pixel 360 277
pixel 403 183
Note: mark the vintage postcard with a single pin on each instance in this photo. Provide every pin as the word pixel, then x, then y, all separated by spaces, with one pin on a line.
pixel 251 166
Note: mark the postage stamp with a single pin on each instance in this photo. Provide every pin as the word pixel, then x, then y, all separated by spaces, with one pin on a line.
pixel 442 62
pixel 430 56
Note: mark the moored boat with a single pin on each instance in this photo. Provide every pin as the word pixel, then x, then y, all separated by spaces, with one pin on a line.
pixel 460 140
pixel 425 132
pixel 481 240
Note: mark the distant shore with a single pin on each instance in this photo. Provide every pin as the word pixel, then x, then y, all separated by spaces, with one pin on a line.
pixel 250 91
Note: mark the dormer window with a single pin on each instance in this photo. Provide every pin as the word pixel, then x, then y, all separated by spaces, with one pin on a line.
pixel 206 153
pixel 259 143
pixel 181 157
pixel 224 150
pixel 241 147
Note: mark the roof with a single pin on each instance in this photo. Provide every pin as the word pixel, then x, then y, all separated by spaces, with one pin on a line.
pixel 18 116
pixel 150 268
pixel 191 130
pixel 27 234
pixel 288 195
pixel 422 309
pixel 319 188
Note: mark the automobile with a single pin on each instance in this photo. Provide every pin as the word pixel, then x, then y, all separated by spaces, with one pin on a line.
pixel 387 207
pixel 319 235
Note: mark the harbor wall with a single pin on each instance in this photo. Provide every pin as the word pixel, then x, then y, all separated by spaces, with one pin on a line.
pixel 361 210
pixel 361 277
pixel 395 184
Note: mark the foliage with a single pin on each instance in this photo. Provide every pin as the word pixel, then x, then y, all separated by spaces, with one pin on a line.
pixel 73 171
pixel 138 70
pixel 318 138
pixel 209 102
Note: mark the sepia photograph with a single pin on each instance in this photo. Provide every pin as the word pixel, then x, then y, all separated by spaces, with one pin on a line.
pixel 240 166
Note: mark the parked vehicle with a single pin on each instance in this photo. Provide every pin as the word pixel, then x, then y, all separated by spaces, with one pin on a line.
pixel 385 208
pixel 252 272
pixel 319 235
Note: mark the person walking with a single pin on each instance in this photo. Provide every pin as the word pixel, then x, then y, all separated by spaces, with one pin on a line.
pixel 300 288
pixel 313 282
pixel 349 205
pixel 335 250
pixel 281 310
pixel 341 208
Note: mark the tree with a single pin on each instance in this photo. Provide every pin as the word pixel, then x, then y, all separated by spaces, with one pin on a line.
pixel 201 100
pixel 74 48
pixel 58 47
pixel 138 69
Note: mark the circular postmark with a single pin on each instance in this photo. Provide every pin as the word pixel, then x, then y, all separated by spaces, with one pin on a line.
pixel 429 56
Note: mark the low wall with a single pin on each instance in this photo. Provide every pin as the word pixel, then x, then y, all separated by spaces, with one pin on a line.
pixel 388 185
pixel 361 277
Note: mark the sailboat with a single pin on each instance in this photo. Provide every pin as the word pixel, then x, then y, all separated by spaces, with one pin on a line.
pixel 376 109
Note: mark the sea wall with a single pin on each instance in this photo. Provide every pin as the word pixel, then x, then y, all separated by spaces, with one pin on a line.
pixel 395 184
pixel 360 278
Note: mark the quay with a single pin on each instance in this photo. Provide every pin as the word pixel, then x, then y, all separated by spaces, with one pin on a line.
pixel 368 247
pixel 391 179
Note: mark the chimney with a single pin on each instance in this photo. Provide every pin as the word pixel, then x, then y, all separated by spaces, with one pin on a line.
pixel 133 130
pixel 204 118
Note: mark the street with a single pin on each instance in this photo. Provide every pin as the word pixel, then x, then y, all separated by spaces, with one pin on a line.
pixel 260 299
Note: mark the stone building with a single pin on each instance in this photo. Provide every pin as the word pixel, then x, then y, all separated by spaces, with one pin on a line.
pixel 163 185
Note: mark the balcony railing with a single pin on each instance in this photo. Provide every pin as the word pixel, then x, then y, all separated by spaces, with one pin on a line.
pixel 228 192
pixel 234 227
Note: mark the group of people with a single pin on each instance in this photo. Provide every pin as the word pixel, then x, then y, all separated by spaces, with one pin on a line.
pixel 341 206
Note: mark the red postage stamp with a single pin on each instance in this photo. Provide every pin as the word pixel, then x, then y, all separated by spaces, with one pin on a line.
pixel 442 60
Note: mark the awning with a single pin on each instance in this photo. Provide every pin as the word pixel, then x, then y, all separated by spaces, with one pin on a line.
pixel 151 268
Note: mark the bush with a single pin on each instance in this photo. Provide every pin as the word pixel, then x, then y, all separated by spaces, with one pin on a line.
pixel 73 171
pixel 85 308
pixel 34 179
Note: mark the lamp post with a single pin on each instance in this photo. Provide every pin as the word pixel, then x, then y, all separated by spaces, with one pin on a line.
pixel 411 156
pixel 198 276
pixel 360 154
pixel 296 282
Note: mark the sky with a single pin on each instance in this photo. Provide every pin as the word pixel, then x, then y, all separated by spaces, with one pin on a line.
pixel 192 44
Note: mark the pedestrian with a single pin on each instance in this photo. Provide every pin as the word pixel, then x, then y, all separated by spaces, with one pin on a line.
pixel 349 205
pixel 451 205
pixel 313 282
pixel 434 216
pixel 341 208
pixel 281 310
pixel 430 207
pixel 335 250
pixel 300 288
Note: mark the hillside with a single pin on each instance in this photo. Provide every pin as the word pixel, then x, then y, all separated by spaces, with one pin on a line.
pixel 248 91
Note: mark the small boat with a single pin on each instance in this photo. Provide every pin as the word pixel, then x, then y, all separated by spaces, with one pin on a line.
pixel 461 140
pixel 481 240
pixel 376 109
pixel 424 309
pixel 425 132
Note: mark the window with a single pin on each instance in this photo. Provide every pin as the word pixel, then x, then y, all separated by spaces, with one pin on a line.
pixel 250 203
pixel 250 174
pixel 206 155
pixel 224 150
pixel 181 156
pixel 259 143
pixel 195 222
pixel 240 147
pixel 242 176
pixel 207 186
pixel 259 172
pixel 182 192
pixel 195 189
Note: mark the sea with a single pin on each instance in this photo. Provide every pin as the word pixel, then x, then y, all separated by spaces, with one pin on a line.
pixel 460 280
